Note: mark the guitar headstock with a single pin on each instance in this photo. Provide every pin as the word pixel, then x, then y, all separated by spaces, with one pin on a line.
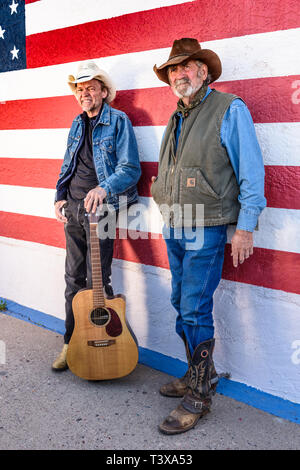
pixel 101 211
pixel 94 217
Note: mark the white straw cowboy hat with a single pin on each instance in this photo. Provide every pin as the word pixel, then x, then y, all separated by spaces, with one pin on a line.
pixel 89 70
pixel 188 49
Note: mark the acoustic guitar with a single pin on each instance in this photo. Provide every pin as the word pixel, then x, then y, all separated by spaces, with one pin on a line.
pixel 102 345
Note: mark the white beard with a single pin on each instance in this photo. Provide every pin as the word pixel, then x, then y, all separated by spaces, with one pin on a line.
pixel 188 90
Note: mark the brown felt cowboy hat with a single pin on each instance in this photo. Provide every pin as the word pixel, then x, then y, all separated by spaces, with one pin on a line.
pixel 189 48
pixel 89 70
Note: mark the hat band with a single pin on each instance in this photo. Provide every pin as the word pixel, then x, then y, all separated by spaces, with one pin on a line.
pixel 83 76
pixel 182 55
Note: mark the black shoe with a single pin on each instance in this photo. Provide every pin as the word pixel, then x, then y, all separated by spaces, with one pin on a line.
pixel 108 291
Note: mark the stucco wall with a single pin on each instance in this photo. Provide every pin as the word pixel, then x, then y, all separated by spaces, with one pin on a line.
pixel 257 309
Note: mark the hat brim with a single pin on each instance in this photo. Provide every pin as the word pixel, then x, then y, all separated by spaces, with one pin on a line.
pixel 103 77
pixel 208 57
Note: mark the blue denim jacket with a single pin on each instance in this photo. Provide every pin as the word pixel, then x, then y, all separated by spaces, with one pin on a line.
pixel 115 156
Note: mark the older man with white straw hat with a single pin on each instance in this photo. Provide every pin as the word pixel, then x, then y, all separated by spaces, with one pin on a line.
pixel 101 164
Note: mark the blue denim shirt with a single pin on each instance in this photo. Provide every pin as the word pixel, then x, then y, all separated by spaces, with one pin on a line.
pixel 115 155
pixel 239 138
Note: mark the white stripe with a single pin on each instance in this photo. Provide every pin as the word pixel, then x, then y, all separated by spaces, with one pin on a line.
pixel 278 228
pixel 255 314
pixel 280 143
pixel 143 217
pixel 51 143
pixel 241 60
pixel 148 140
pixel 135 70
pixel 33 143
pixel 63 13
pixel 41 271
pixel 29 201
pixel 248 320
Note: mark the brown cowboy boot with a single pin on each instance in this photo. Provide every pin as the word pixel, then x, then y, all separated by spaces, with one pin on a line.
pixel 178 387
pixel 197 401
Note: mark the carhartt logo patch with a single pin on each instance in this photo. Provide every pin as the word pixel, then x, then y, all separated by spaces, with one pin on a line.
pixel 191 182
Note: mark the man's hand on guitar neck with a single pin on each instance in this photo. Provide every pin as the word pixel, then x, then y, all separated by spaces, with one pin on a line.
pixel 94 198
pixel 58 211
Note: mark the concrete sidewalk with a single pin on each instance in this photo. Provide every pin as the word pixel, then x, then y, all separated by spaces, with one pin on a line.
pixel 44 410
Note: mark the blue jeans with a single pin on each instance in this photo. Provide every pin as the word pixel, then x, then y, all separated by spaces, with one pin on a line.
pixel 196 269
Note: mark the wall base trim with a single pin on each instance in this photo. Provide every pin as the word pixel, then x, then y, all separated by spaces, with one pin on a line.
pixel 238 391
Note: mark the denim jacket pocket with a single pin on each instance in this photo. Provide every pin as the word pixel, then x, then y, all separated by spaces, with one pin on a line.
pixel 107 148
pixel 72 145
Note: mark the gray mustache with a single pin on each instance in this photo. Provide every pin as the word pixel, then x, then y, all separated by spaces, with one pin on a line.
pixel 181 81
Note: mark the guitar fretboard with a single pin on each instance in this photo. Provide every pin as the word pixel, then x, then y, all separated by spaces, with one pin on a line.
pixel 98 295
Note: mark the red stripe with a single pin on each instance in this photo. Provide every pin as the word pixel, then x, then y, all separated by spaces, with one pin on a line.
pixel 149 169
pixel 30 172
pixel 158 28
pixel 149 249
pixel 281 182
pixel 33 229
pixel 282 186
pixel 31 1
pixel 266 268
pixel 269 100
pixel 40 113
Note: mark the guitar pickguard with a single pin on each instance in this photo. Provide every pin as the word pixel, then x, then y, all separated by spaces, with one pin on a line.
pixel 114 327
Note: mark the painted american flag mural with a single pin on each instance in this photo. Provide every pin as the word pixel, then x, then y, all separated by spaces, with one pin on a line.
pixel 257 306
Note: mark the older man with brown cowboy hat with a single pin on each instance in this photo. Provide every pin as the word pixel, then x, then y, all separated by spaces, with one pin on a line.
pixel 100 164
pixel 211 174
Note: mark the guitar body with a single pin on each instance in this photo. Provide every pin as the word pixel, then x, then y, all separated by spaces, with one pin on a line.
pixel 102 346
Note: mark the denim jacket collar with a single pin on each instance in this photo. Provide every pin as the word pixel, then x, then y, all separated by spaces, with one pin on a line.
pixel 103 118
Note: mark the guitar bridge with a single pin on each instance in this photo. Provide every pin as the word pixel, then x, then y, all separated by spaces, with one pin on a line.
pixel 102 343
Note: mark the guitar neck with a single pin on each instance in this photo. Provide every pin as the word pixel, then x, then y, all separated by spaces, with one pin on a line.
pixel 98 294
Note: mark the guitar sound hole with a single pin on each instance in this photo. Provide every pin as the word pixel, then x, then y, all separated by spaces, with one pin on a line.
pixel 100 316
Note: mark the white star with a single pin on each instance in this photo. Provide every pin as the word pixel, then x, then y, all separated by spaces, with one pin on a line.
pixel 13 7
pixel 15 53
pixel 2 31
